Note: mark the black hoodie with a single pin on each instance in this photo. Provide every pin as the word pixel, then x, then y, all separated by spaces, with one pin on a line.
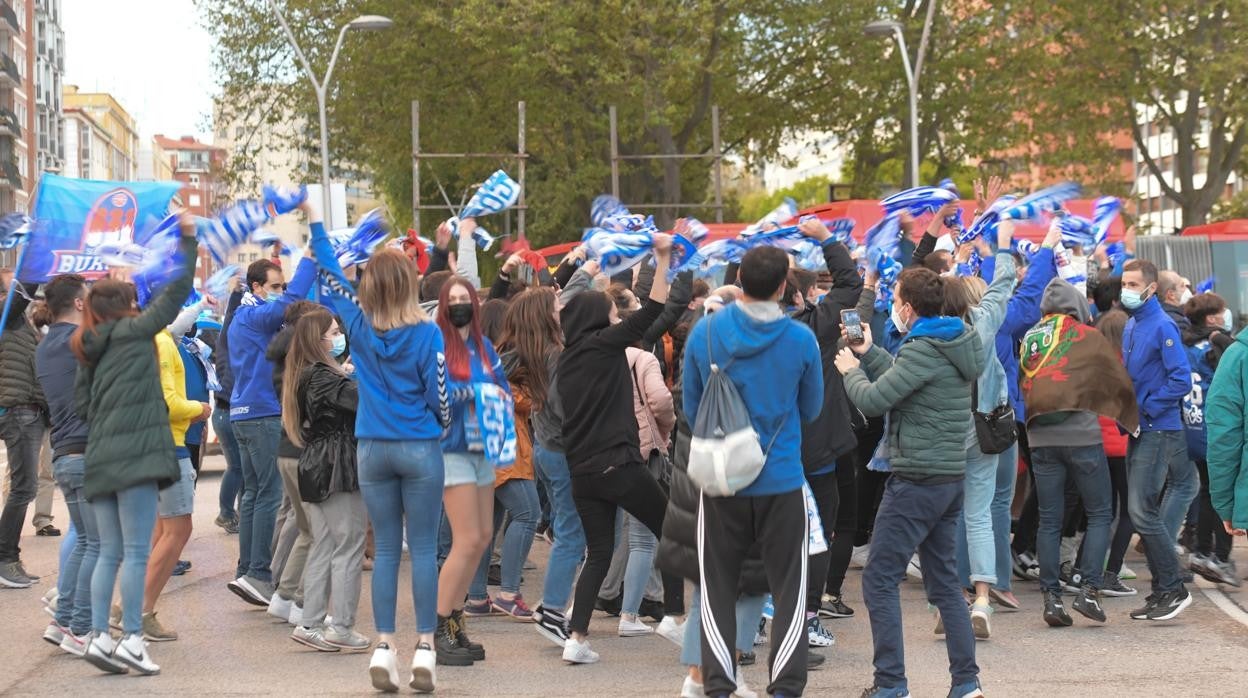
pixel 595 385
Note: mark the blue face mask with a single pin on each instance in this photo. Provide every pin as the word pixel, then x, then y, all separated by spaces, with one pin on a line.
pixel 339 345
pixel 273 297
pixel 1131 300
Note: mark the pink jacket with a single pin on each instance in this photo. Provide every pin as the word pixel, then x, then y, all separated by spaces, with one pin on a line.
pixel 652 401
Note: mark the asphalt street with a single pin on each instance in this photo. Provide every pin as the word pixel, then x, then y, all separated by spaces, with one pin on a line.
pixel 229 648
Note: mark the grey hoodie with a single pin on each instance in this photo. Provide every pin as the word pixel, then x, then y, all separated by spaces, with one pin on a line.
pixel 1077 429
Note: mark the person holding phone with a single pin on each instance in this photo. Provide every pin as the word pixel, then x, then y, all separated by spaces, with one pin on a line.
pixel 831 435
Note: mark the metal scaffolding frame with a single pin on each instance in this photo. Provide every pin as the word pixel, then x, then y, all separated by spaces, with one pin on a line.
pixel 521 157
pixel 716 154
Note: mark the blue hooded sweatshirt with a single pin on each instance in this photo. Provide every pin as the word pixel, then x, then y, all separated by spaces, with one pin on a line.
pixel 1021 314
pixel 401 372
pixel 1158 365
pixel 776 368
pixel 252 328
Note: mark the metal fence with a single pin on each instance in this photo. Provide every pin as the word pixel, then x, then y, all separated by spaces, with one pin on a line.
pixel 1189 256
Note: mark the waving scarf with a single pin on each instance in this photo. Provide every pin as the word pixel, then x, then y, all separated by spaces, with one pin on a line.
pixel 1036 206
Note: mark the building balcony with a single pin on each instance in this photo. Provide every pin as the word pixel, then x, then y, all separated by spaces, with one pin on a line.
pixel 9 77
pixel 9 25
pixel 10 176
pixel 9 125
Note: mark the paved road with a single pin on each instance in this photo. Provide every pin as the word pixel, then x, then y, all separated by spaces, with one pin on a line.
pixel 228 647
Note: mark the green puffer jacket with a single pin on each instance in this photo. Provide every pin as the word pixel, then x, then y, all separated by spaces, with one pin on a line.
pixel 1226 423
pixel 926 391
pixel 118 393
pixel 17 368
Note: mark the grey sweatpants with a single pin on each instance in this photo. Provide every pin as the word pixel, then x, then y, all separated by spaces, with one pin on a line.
pixel 336 560
pixel 293 535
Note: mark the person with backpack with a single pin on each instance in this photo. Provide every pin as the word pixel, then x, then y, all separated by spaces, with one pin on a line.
pixel 752 377
pixel 926 392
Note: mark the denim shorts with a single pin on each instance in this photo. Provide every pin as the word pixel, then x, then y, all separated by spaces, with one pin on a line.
pixel 466 469
pixel 178 499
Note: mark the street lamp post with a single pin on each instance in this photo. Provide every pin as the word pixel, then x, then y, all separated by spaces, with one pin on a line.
pixel 887 28
pixel 362 23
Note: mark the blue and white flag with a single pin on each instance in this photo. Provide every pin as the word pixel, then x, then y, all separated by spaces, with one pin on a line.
pixel 986 225
pixel 884 236
pixel 618 251
pixel 1104 211
pixel 1036 206
pixel 13 229
pixel 918 200
pixel 1116 252
pixel 218 285
pixel 720 253
pixel 497 194
pixel 235 226
pixel 496 421
pixel 605 206
pixel 786 210
pixel 697 230
pixel 74 217
pixel 358 246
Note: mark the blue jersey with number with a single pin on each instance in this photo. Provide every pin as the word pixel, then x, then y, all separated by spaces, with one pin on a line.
pixel 1194 403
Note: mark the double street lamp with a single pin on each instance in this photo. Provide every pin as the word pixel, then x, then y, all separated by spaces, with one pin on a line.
pixel 887 28
pixel 361 23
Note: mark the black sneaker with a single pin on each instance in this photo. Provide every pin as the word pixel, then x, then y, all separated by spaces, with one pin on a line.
pixel 1055 611
pixel 1150 602
pixel 747 659
pixel 651 609
pixel 1026 567
pixel 551 625
pixel 1113 586
pixel 814 660
pixel 1088 604
pixel 610 607
pixel 1070 578
pixel 48 530
pixel 446 645
pixel 494 577
pixel 1171 604
pixel 834 607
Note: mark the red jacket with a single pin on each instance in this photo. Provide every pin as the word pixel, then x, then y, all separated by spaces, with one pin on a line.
pixel 1115 440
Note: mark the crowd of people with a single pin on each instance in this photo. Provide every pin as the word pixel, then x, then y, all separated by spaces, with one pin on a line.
pixel 413 412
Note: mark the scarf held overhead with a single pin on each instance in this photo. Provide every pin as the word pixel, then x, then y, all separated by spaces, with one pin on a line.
pixel 1068 366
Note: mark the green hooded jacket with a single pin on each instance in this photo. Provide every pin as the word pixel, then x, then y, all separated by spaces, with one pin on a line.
pixel 118 393
pixel 1226 422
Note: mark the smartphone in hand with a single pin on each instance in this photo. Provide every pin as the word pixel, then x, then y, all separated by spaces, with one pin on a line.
pixel 853 327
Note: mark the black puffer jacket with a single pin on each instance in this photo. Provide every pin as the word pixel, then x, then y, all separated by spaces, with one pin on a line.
pixel 678 548
pixel 327 465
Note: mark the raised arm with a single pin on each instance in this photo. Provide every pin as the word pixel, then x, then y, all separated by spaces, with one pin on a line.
pixel 165 306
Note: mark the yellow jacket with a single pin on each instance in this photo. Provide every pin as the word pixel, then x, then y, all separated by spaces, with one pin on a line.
pixel 173 383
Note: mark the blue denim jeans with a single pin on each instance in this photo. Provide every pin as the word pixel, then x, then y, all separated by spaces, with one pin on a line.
pixel 126 520
pixel 977 547
pixel 569 547
pixel 232 480
pixel 749 610
pixel 925 517
pixel 1087 466
pixel 403 480
pixel 258 440
pixel 1152 458
pixel 519 498
pixel 1182 486
pixel 73 606
pixel 1002 499
pixel 22 430
pixel 641 547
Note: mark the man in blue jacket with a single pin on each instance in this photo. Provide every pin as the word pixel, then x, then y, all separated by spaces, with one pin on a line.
pixel 775 364
pixel 255 416
pixel 1157 457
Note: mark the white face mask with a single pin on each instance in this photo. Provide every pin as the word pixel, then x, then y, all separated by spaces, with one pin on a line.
pixel 1228 320
pixel 900 324
pixel 1185 296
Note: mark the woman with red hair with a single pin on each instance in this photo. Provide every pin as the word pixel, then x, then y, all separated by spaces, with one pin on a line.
pixel 468 494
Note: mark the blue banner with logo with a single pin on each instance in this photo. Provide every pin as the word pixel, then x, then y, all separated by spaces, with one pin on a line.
pixel 74 217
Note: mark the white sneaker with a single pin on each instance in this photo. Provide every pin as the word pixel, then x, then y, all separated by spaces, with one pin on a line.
pixel 672 631
pixel 49 601
pixel 132 650
pixel 101 650
pixel 743 691
pixel 384 669
pixel 346 639
pixel 913 570
pixel 424 676
pixel 578 652
pixel 634 628
pixel 295 616
pixel 54 634
pixel 858 558
pixel 1126 573
pixel 280 608
pixel 75 644
pixel 691 689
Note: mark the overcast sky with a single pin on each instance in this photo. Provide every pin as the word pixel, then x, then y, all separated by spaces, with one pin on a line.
pixel 152 55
